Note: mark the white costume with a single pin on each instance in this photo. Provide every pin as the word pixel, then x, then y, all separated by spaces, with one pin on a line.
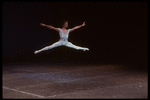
pixel 62 42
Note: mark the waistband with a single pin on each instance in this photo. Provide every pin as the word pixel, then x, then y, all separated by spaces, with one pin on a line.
pixel 64 39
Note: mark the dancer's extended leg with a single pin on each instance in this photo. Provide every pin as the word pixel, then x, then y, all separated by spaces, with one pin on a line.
pixel 69 44
pixel 56 44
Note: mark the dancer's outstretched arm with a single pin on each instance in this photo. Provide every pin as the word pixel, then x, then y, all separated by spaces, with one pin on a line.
pixel 49 26
pixel 77 27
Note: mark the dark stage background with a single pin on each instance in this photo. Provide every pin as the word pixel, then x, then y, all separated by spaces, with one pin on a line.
pixel 115 32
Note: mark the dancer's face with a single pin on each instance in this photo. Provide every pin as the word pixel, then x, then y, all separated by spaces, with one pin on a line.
pixel 66 24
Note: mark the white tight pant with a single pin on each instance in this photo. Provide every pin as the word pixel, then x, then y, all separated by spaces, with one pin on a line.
pixel 63 43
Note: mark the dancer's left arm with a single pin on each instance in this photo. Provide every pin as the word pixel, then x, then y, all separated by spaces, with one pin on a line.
pixel 77 27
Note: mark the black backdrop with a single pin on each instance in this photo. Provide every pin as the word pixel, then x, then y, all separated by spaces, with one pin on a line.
pixel 115 32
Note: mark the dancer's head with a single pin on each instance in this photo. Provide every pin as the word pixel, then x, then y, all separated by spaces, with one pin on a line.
pixel 65 24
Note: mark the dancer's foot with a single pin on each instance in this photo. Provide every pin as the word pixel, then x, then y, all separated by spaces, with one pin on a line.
pixel 86 49
pixel 36 52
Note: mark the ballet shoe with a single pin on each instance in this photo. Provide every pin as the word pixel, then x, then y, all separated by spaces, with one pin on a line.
pixel 85 49
pixel 36 52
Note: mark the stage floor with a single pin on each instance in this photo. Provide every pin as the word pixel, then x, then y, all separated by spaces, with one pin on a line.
pixel 60 81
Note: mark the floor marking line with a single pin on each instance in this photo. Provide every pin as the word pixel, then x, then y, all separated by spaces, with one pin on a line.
pixel 24 92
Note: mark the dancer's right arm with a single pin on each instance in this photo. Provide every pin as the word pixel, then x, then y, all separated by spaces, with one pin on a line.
pixel 49 26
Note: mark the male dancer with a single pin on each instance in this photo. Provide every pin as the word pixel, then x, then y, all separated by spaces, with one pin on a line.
pixel 64 33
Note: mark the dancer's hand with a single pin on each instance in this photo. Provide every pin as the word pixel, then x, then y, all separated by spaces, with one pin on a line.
pixel 42 24
pixel 83 24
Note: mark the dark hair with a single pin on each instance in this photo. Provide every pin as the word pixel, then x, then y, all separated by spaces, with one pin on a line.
pixel 64 21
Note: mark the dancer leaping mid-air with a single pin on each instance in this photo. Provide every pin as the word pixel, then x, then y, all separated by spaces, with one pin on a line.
pixel 64 33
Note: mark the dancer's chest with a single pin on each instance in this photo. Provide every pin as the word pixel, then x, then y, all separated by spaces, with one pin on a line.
pixel 64 31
